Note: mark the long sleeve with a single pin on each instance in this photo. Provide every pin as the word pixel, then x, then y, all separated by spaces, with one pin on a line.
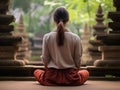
pixel 78 52
pixel 45 52
pixel 66 56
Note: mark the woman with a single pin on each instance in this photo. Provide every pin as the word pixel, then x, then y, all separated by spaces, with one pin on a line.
pixel 61 54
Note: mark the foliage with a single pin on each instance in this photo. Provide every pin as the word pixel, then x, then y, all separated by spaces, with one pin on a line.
pixel 23 4
pixel 38 13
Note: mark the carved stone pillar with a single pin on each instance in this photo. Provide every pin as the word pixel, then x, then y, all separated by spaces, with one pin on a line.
pixel 111 48
pixel 24 52
pixel 99 29
pixel 8 42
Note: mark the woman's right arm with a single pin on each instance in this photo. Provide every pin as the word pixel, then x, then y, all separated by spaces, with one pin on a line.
pixel 45 52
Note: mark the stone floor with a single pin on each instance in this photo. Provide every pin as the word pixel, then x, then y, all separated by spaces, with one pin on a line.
pixel 34 85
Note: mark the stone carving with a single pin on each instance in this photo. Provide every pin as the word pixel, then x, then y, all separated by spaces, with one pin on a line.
pixel 85 44
pixel 24 52
pixel 8 42
pixel 99 29
pixel 111 49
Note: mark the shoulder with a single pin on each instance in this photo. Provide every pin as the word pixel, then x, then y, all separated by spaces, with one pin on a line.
pixel 74 36
pixel 48 35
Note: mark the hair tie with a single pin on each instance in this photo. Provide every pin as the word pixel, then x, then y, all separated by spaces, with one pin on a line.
pixel 61 20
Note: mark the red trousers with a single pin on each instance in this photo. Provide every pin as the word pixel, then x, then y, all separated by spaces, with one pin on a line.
pixel 61 77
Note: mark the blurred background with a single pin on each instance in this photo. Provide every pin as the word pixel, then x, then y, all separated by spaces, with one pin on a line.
pixel 38 20
pixel 37 14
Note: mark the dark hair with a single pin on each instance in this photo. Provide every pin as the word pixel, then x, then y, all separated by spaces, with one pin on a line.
pixel 61 17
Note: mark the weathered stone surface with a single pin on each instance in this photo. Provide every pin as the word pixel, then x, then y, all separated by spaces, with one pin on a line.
pixel 4 2
pixel 6 19
pixel 5 28
pixel 8 48
pixel 96 42
pixel 111 39
pixel 93 49
pixel 114 32
pixel 117 4
pixel 24 51
pixel 103 71
pixel 107 63
pixel 110 52
pixel 11 63
pixel 99 28
pixel 9 40
pixel 3 9
pixel 109 48
pixel 8 52
pixel 115 16
pixel 115 26
pixel 7 55
pixel 85 36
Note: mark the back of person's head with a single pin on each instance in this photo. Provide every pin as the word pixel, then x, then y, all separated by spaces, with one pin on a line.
pixel 61 17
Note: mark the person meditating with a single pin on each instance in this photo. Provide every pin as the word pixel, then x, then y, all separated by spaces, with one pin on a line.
pixel 61 55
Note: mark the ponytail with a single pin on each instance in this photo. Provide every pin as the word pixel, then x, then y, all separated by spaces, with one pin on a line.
pixel 60 33
pixel 61 17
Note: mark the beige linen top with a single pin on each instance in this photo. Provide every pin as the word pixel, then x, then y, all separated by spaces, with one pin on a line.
pixel 61 57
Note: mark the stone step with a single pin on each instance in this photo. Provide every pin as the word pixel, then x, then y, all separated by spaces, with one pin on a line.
pixel 28 70
pixel 5 63
pixel 6 28
pixel 115 16
pixel 8 48
pixel 7 55
pixel 107 63
pixel 35 62
pixel 111 39
pixel 95 42
pixel 103 71
pixel 6 19
pixel 9 40
pixel 20 78
pixel 109 48
pixel 114 25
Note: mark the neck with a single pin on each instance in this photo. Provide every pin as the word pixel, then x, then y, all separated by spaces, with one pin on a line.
pixel 65 30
